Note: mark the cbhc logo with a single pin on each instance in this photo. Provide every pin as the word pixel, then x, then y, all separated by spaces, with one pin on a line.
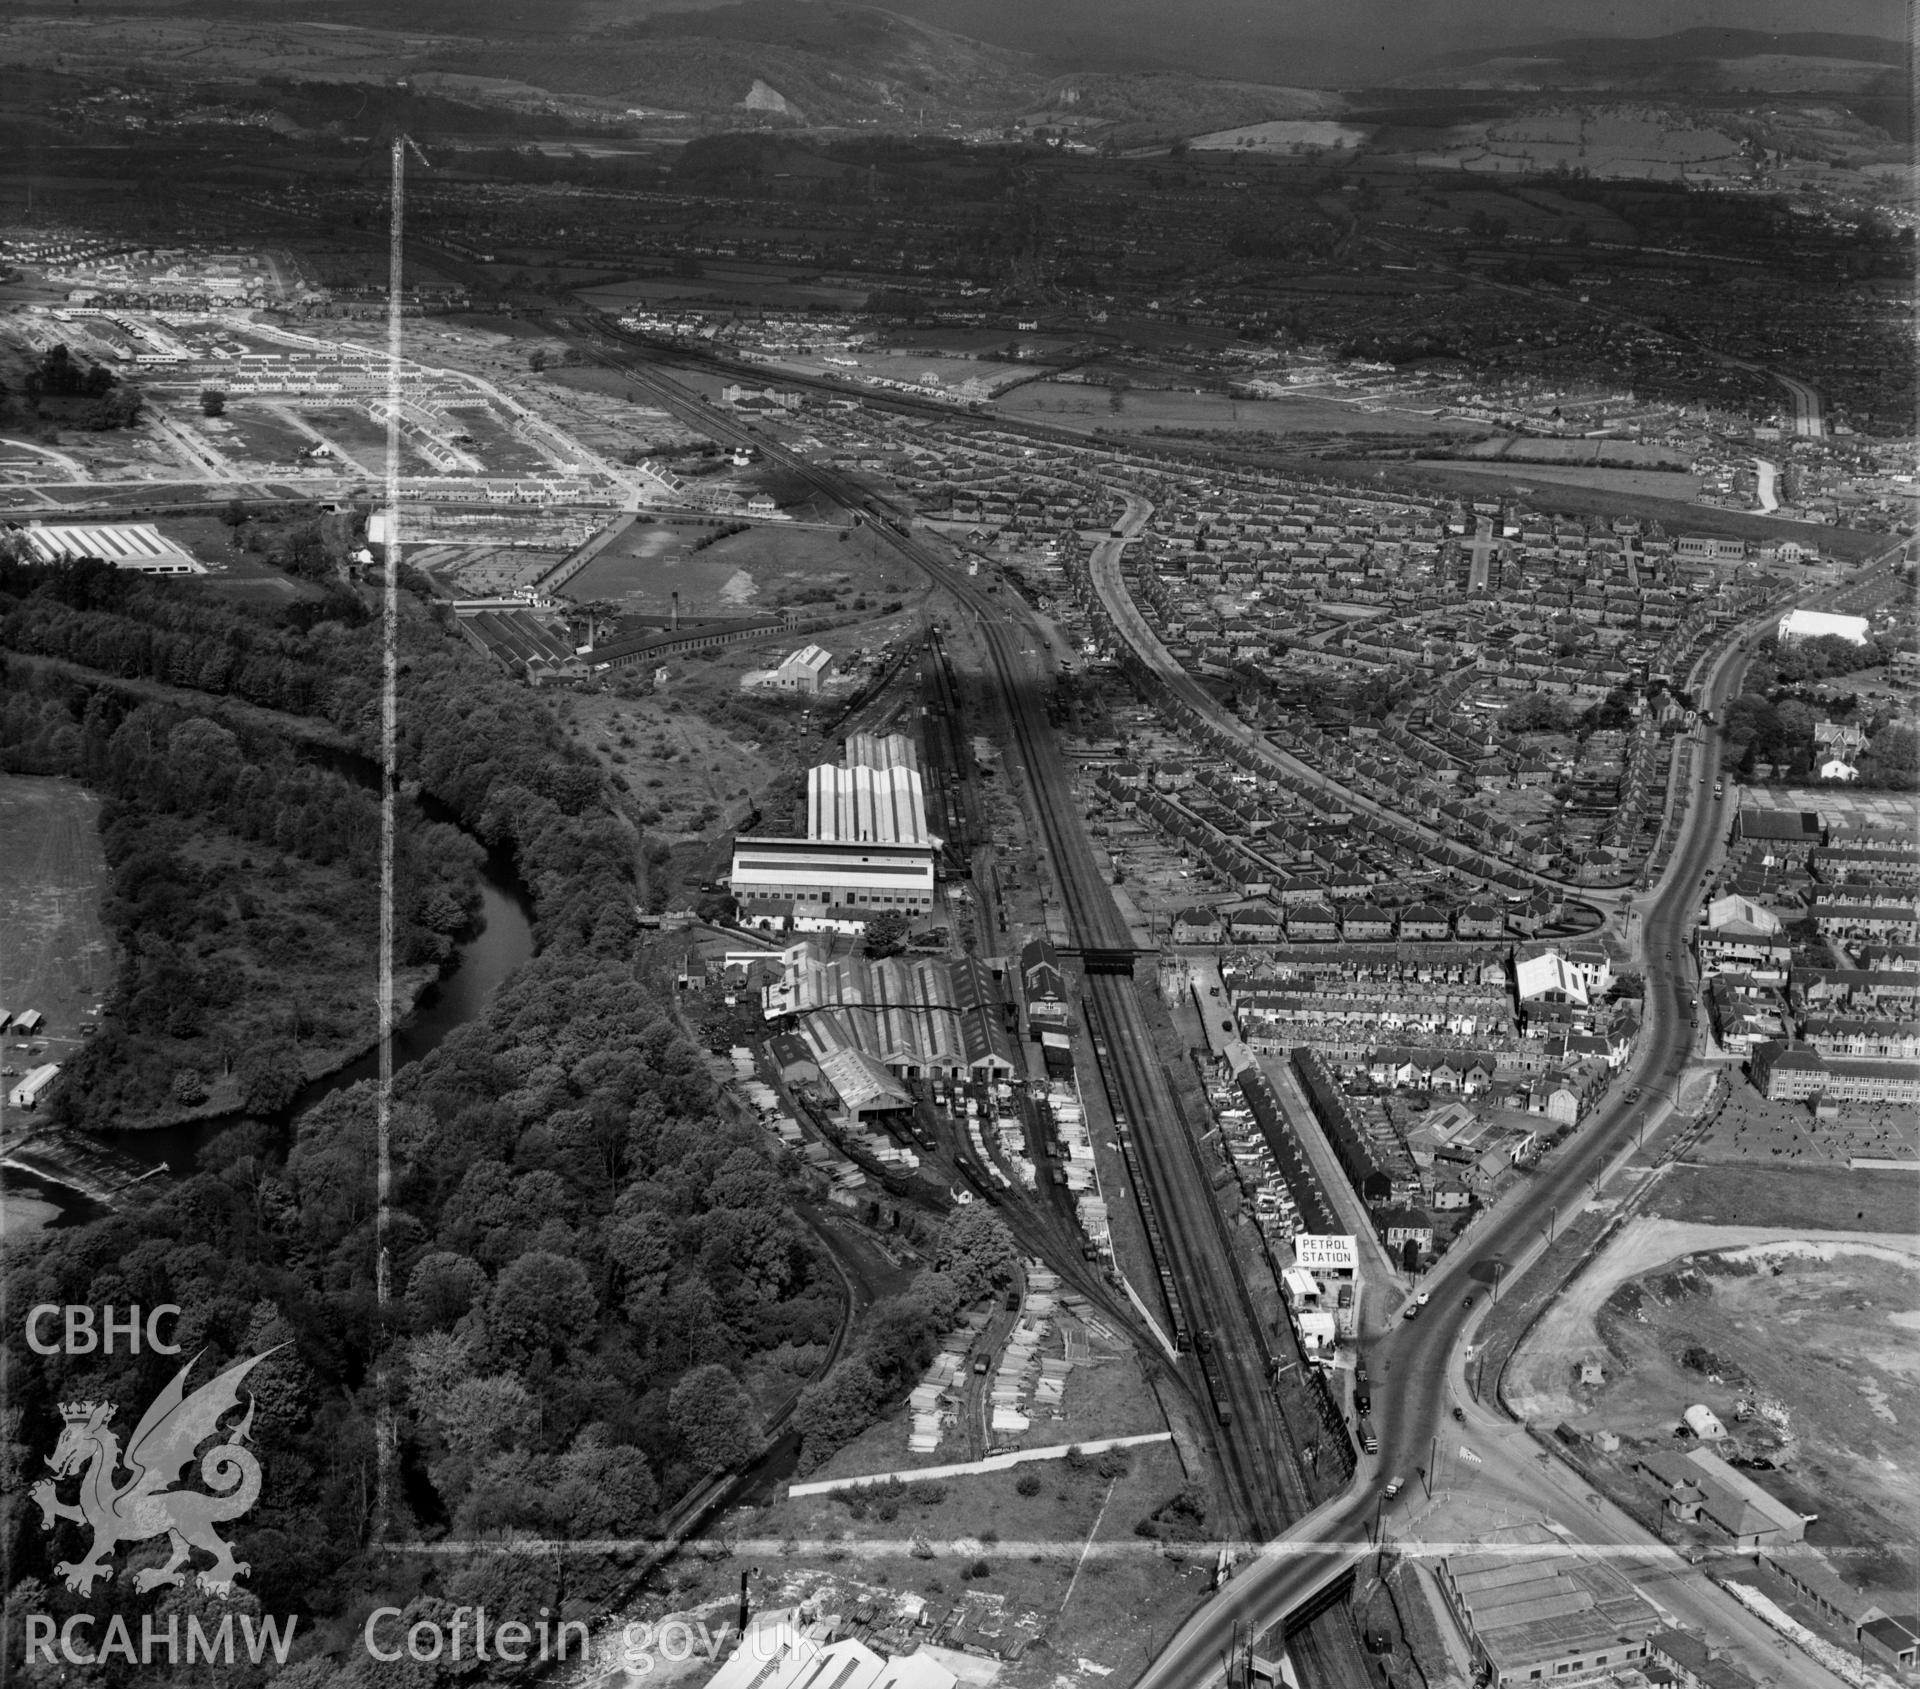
pixel 80 1335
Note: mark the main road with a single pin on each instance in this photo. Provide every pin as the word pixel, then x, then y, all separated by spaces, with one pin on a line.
pixel 1410 1363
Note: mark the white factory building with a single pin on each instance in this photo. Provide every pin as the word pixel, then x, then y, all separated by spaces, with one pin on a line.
pixel 866 805
pixel 139 546
pixel 866 844
pixel 1813 624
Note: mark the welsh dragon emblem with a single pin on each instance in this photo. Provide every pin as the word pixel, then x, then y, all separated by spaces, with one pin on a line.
pixel 149 1503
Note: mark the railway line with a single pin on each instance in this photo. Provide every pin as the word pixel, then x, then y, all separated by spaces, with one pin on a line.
pixel 1266 1475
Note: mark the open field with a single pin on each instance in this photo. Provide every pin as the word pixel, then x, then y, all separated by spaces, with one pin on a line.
pixel 1281 135
pixel 729 286
pixel 55 953
pixel 258 431
pixel 1827 1198
pixel 362 441
pixel 1637 483
pixel 1075 405
pixel 765 567
pixel 1677 515
pixel 951 373
pixel 1755 1134
pixel 496 445
pixel 1820 1331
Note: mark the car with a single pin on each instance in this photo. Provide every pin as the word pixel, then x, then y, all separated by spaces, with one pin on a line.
pixel 980 1365
pixel 1393 1488
pixel 1459 1414
pixel 1468 1303
pixel 1633 1094
pixel 1669 955
pixel 1424 1298
pixel 1413 1311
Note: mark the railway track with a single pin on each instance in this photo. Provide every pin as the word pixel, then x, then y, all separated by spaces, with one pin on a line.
pixel 1261 1462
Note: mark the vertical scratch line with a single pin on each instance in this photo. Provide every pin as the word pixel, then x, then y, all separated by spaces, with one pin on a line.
pixel 384 1429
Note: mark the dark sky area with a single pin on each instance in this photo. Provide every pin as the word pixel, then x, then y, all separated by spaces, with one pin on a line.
pixel 1354 40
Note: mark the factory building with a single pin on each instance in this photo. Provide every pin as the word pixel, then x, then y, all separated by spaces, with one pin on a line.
pixel 866 805
pixel 918 1017
pixel 1817 624
pixel 866 847
pixel 138 546
pixel 1535 1610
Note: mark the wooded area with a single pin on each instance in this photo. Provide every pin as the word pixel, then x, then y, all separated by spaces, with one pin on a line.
pixel 599 1281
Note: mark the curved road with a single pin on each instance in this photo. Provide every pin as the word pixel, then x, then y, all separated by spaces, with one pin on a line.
pixel 1104 570
pixel 1416 1364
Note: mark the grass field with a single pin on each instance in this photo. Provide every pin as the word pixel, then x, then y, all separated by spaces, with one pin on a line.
pixel 256 431
pixel 362 440
pixel 1637 483
pixel 1822 1198
pixel 55 954
pixel 765 567
pixel 1282 135
pixel 1076 405
pixel 497 446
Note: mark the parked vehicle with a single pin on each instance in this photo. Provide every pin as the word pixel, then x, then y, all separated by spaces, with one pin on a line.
pixel 1393 1488
pixel 1368 1440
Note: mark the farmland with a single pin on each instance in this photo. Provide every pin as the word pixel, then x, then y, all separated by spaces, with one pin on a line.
pixel 1282 135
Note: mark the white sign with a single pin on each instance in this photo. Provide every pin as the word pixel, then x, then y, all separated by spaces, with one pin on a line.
pixel 1328 1253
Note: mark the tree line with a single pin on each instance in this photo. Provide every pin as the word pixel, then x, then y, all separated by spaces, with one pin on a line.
pixel 599 1289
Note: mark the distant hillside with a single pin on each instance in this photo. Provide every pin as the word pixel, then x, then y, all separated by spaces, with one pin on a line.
pixel 828 65
pixel 840 64
pixel 1691 60
pixel 1636 54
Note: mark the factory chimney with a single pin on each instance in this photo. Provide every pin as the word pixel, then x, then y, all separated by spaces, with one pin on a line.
pixel 676 612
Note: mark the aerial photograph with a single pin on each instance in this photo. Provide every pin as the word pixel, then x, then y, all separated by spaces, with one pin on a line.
pixel 959 844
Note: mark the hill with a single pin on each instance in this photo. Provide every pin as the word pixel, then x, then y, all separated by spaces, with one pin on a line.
pixel 1699 60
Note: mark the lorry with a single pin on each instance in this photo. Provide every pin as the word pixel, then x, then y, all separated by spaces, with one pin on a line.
pixel 1362 1390
pixel 1368 1441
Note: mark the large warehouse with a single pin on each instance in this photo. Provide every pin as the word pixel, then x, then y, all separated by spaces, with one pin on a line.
pixel 1813 624
pixel 867 844
pixel 138 546
pixel 839 876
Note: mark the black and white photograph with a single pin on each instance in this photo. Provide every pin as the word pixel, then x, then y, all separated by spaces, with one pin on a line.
pixel 959 844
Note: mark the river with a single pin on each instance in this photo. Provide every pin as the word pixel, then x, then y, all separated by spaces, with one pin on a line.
pixel 503 941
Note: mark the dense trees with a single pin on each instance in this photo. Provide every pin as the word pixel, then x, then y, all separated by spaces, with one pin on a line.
pixel 1541 712
pixel 973 1256
pixel 598 1288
